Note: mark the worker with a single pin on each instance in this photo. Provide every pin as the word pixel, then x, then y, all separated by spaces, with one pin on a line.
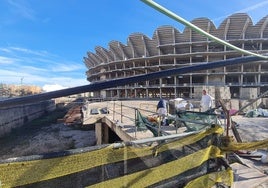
pixel 206 101
pixel 188 106
pixel 162 111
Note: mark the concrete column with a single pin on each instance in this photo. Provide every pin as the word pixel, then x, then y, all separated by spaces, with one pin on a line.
pixel 105 134
pixel 98 133
pixel 102 133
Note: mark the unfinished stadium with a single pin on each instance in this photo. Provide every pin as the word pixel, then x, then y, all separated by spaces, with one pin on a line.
pixel 195 157
pixel 169 48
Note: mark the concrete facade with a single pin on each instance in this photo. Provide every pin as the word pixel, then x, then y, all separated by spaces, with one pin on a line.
pixel 169 48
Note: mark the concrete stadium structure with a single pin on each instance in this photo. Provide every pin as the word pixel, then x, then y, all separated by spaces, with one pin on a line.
pixel 169 48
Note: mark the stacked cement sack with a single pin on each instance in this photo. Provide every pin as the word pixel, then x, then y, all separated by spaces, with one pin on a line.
pixel 250 107
pixel 222 93
pixel 265 102
pixel 248 93
pixel 235 104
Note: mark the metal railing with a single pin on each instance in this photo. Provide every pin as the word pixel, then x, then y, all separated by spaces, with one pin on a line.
pixel 123 113
pixel 130 112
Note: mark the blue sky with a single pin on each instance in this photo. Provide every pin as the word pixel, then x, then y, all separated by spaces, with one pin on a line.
pixel 43 42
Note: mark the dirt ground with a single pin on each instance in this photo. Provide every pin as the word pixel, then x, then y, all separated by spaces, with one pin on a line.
pixel 45 138
pixel 33 140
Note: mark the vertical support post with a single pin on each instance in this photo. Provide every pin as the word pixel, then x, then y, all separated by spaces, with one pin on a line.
pixel 227 115
pixel 121 112
pixel 99 133
pixel 159 124
pixel 125 183
pixel 113 111
pixel 228 122
pixel 176 123
pixel 136 122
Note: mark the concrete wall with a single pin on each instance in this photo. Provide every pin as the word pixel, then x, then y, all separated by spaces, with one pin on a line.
pixel 11 118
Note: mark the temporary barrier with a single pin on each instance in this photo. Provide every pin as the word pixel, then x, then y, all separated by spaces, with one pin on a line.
pixel 181 162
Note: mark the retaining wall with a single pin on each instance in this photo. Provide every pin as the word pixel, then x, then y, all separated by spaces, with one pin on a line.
pixel 11 118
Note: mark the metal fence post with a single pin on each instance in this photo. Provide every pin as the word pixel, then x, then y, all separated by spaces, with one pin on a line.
pixel 121 112
pixel 136 122
pixel 114 110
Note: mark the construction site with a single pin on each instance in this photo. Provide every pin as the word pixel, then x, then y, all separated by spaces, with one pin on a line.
pixel 131 143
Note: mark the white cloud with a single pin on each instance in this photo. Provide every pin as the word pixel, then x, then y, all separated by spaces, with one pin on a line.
pixel 66 67
pixel 28 51
pixel 10 77
pixel 32 69
pixel 66 81
pixel 55 87
pixel 254 7
pixel 39 67
pixel 247 10
pixel 7 50
pixel 7 60
pixel 23 9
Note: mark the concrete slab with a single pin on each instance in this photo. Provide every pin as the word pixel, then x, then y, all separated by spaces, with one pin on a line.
pixel 248 177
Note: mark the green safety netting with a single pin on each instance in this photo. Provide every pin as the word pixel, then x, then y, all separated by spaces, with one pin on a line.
pixel 143 124
pixel 195 121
